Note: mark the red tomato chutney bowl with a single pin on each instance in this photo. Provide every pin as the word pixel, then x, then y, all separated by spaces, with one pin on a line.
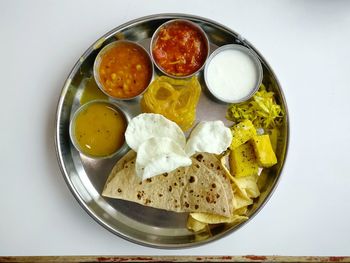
pixel 179 48
pixel 123 70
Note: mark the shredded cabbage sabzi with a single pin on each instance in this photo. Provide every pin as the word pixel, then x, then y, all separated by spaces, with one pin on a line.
pixel 262 110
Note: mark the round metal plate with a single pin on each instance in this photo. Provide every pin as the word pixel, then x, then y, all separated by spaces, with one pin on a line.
pixel 86 177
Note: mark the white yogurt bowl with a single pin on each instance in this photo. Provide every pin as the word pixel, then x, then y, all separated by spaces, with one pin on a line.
pixel 233 73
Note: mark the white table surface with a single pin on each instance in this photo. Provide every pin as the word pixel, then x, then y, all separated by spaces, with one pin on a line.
pixel 307 43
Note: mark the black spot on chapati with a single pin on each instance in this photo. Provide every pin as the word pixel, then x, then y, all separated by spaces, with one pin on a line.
pixel 170 188
pixel 213 185
pixel 187 204
pixel 217 196
pixel 196 206
pixel 149 180
pixel 218 168
pixel 119 190
pixel 160 195
pixel 199 157
pixel 197 165
pixel 224 210
pixel 139 196
pixel 175 184
pixel 212 165
pixel 191 191
pixel 165 174
pixel 192 179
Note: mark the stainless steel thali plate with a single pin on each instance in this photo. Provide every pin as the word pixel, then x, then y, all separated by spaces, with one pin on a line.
pixel 86 177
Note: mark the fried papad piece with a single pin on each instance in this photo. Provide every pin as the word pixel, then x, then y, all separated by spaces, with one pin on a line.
pixel 201 187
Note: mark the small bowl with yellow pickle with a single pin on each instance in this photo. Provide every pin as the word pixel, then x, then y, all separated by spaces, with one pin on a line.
pixel 97 129
pixel 123 70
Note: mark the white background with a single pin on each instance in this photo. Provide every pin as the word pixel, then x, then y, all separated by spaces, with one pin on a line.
pixel 307 43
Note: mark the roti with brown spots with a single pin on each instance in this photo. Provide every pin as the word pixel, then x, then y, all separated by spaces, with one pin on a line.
pixel 201 187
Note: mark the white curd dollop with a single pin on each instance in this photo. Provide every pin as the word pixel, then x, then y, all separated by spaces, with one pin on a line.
pixel 232 75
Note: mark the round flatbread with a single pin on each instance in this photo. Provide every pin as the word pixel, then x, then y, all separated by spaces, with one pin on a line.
pixel 202 187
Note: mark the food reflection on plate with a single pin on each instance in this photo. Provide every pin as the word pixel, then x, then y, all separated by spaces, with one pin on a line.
pixel 212 174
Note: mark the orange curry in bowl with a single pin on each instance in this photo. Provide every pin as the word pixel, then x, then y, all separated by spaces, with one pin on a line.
pixel 125 70
pixel 179 48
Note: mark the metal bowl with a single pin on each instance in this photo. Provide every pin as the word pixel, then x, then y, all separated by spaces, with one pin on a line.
pixel 98 62
pixel 254 59
pixel 86 177
pixel 72 129
pixel 193 25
